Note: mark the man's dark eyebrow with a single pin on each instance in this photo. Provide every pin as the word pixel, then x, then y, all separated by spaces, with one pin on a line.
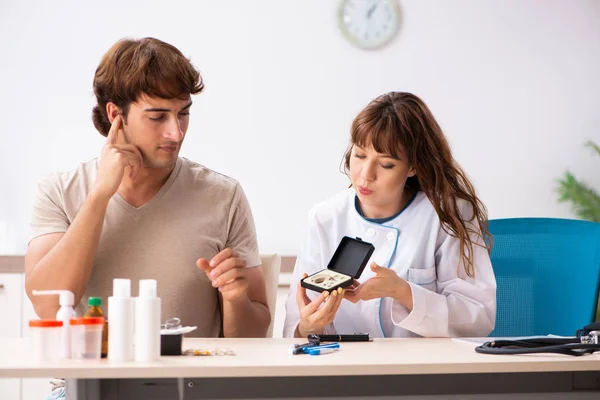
pixel 156 109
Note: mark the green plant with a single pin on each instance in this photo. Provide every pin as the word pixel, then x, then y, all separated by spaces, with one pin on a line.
pixel 585 201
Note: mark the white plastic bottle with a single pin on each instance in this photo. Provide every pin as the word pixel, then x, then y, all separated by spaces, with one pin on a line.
pixel 147 322
pixel 65 313
pixel 120 317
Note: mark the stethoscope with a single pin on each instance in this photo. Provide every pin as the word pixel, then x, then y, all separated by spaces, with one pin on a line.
pixel 586 341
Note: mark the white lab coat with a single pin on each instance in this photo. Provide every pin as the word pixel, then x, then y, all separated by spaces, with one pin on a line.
pixel 446 302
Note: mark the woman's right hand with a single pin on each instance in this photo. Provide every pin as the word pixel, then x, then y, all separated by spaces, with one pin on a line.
pixel 117 156
pixel 312 318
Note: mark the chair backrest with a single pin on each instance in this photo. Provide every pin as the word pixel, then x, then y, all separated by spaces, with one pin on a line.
pixel 271 264
pixel 547 273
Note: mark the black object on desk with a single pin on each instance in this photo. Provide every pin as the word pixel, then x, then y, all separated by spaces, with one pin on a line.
pixel 170 345
pixel 343 337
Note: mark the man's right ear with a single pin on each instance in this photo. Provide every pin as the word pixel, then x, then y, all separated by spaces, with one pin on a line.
pixel 112 110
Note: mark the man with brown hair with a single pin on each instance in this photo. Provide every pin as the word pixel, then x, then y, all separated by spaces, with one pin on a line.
pixel 141 211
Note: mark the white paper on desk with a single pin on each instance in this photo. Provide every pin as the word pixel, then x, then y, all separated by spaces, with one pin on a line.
pixel 478 341
pixel 179 331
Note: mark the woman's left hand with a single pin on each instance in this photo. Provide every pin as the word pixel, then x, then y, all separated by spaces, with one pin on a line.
pixel 385 283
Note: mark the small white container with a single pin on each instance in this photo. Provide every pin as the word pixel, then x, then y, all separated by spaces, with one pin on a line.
pixel 64 314
pixel 45 338
pixel 121 322
pixel 147 322
pixel 86 338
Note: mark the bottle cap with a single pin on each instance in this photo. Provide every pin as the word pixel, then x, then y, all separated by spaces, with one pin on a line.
pixel 45 323
pixel 94 302
pixel 147 288
pixel 87 321
pixel 121 288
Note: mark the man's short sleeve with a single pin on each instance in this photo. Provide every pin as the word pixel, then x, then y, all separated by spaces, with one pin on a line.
pixel 241 235
pixel 48 213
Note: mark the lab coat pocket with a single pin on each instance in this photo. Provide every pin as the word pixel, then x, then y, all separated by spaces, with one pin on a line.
pixel 425 277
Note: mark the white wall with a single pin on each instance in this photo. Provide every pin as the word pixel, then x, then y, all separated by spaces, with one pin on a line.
pixel 514 83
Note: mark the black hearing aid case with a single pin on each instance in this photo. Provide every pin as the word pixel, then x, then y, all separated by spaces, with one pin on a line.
pixel 347 264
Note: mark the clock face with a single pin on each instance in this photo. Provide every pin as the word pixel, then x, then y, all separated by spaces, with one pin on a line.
pixel 369 24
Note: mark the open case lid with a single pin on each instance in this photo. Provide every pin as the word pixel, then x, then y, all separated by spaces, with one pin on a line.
pixel 351 256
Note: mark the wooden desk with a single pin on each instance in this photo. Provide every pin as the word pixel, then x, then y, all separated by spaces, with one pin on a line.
pixel 264 368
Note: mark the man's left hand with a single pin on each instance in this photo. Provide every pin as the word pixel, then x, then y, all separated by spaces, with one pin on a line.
pixel 227 273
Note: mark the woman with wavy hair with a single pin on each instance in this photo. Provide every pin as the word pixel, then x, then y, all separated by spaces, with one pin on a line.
pixel 430 274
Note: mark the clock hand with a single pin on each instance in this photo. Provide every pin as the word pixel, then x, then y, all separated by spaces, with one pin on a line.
pixel 371 10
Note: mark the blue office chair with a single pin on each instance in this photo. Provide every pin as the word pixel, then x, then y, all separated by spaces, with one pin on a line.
pixel 547 274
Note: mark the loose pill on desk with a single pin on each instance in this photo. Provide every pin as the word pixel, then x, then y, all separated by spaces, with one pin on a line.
pixel 193 352
pixel 208 352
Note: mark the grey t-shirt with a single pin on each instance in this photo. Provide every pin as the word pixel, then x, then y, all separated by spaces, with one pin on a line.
pixel 197 213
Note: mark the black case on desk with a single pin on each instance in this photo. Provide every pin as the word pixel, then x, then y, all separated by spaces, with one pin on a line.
pixel 347 264
pixel 170 345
